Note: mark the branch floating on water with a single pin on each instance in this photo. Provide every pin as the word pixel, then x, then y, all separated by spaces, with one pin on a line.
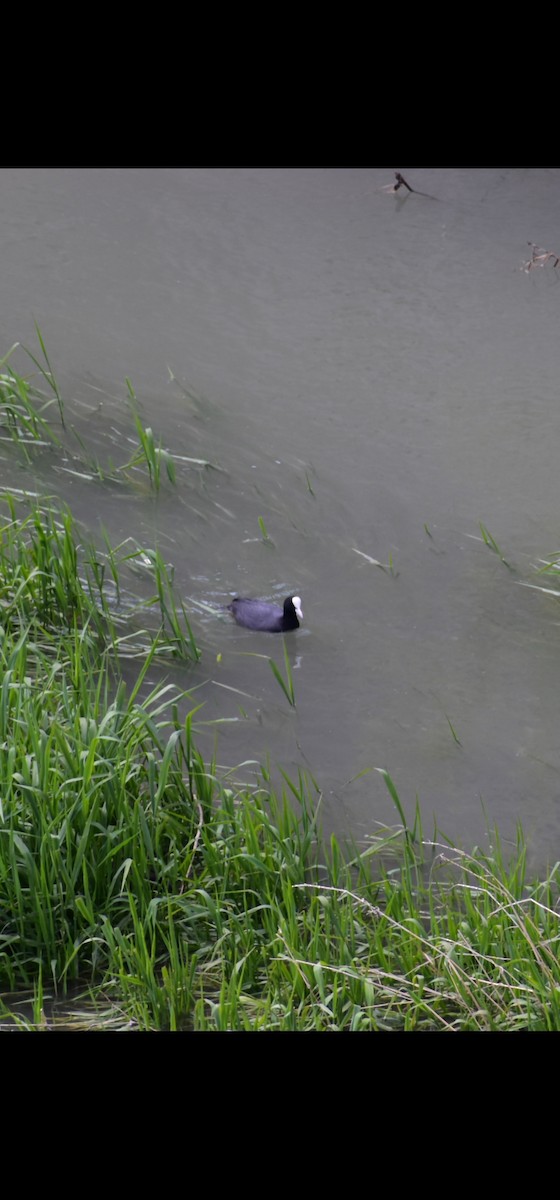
pixel 401 182
pixel 539 258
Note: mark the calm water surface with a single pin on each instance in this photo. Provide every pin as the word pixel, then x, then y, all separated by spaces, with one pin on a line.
pixel 375 373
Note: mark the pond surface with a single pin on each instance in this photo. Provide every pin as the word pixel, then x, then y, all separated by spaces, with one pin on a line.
pixel 376 376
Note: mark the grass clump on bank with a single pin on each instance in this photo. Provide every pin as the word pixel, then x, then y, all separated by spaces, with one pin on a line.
pixel 53 581
pixel 126 864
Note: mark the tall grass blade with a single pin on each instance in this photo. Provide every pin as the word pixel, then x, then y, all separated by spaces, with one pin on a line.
pixel 288 684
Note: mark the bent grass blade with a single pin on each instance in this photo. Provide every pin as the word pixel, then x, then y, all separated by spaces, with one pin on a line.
pixel 288 684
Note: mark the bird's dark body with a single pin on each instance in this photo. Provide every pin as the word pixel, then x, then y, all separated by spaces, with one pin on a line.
pixel 265 617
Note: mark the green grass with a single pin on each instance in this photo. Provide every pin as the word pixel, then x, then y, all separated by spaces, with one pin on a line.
pixel 54 580
pixel 22 406
pixel 46 373
pixel 127 866
pixel 388 568
pixel 26 406
pixel 493 545
pixel 148 453
pixel 266 539
pixel 287 684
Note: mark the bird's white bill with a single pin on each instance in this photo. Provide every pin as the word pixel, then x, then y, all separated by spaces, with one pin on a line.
pixel 297 605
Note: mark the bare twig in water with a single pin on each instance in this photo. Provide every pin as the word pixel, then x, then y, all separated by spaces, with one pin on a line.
pixel 401 182
pixel 539 257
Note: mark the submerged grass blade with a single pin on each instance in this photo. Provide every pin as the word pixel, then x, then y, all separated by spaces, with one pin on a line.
pixel 267 540
pixel 453 732
pixel 388 568
pixel 493 545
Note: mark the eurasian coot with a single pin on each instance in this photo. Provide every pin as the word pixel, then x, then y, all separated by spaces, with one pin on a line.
pixel 258 614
